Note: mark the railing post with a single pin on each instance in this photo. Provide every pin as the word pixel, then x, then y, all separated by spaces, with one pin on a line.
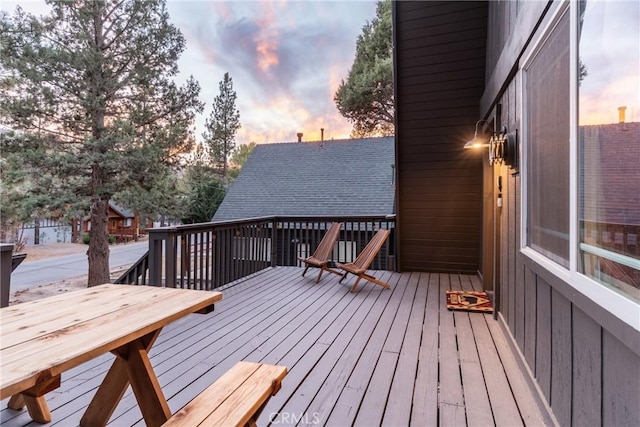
pixel 274 242
pixel 6 251
pixel 170 259
pixel 157 237
pixel 155 256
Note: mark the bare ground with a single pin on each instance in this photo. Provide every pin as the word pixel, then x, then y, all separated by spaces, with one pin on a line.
pixel 54 288
pixel 37 252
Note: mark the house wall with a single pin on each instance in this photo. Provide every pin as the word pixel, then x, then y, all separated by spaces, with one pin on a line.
pixel 585 361
pixel 439 78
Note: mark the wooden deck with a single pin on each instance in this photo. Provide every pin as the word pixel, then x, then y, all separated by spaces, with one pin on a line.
pixel 394 356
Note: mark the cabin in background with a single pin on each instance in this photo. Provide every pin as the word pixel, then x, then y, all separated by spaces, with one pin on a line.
pixel 124 224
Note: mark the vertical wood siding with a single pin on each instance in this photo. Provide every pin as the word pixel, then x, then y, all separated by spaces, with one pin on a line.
pixel 587 370
pixel 581 357
pixel 439 66
pixel 587 374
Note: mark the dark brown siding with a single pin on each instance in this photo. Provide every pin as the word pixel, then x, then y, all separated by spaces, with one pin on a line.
pixel 440 64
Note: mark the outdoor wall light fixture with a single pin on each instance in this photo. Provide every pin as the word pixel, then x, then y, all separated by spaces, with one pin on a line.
pixel 503 146
pixel 477 141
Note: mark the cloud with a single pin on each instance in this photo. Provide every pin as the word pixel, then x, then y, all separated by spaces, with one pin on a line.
pixel 286 60
pixel 611 56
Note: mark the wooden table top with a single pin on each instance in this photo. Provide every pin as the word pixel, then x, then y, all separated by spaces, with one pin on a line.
pixel 43 338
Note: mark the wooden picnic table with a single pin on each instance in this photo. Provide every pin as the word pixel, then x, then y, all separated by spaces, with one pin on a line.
pixel 41 339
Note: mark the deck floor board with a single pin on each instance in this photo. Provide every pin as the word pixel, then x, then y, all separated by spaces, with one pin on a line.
pixel 378 356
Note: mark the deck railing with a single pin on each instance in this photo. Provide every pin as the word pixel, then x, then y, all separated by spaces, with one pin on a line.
pixel 612 250
pixel 209 255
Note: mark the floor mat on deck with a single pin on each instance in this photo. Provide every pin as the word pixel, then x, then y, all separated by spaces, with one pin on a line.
pixel 469 300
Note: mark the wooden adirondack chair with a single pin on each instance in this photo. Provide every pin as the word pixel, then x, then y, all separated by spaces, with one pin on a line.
pixel 364 259
pixel 320 257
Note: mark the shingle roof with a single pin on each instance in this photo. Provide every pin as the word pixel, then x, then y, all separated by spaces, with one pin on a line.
pixel 126 213
pixel 338 177
pixel 610 173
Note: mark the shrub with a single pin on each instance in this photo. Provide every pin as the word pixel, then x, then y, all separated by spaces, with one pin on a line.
pixel 86 237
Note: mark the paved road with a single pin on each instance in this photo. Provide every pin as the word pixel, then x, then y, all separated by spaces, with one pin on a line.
pixel 30 274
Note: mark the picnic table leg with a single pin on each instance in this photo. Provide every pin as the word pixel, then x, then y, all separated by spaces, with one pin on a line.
pixel 115 384
pixel 146 388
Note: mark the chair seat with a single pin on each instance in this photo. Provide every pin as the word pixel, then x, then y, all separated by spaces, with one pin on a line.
pixel 313 261
pixel 351 268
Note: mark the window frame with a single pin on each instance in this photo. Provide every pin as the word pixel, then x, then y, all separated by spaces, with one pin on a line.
pixel 619 305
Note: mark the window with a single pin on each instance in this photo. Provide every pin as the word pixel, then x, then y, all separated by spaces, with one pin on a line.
pixel 609 144
pixel 547 80
pixel 580 101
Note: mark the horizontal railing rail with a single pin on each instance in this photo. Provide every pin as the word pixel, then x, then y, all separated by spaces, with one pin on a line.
pixel 209 255
pixel 611 252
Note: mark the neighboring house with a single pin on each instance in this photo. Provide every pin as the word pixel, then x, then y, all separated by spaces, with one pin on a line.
pixel 124 223
pixel 332 178
pixel 46 230
pixel 542 233
pixel 315 179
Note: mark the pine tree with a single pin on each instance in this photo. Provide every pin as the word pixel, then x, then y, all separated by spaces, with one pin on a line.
pixel 221 127
pixel 88 92
pixel 366 97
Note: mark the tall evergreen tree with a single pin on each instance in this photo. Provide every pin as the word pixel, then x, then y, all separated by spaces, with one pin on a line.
pixel 239 157
pixel 366 97
pixel 203 189
pixel 221 126
pixel 88 91
pixel 241 154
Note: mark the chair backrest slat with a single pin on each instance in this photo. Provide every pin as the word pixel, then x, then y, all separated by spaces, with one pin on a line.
pixel 366 257
pixel 324 249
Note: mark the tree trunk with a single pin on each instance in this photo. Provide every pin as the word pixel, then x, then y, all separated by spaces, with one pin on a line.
pixel 98 252
pixel 36 231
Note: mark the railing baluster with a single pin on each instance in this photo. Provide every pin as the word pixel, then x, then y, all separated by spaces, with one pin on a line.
pixel 207 256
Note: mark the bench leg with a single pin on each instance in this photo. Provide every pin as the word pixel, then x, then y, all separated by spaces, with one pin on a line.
pixel 116 382
pixel 33 398
pixel 16 402
pixel 38 409
pixel 36 406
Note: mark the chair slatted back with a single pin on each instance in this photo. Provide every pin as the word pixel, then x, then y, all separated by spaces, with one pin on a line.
pixel 366 257
pixel 324 249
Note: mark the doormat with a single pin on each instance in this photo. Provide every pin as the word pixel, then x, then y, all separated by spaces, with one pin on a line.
pixel 469 300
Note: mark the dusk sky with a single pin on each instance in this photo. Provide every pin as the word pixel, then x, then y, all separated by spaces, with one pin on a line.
pixel 286 59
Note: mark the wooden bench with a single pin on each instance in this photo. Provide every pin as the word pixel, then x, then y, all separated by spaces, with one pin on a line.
pixel 235 399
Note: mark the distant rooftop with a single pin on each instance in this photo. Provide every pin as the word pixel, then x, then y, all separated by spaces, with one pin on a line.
pixel 333 178
pixel 610 154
